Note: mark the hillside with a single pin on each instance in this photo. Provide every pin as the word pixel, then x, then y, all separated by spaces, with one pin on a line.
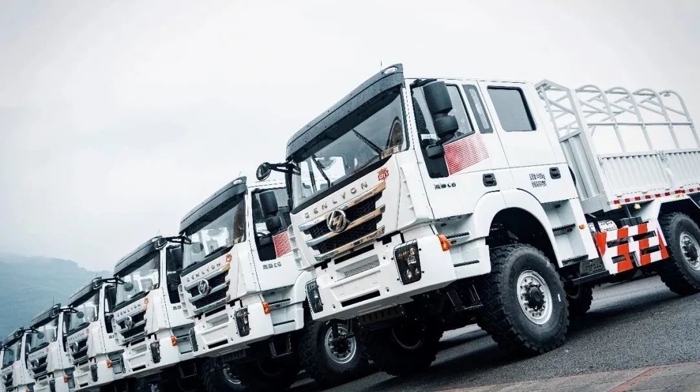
pixel 29 285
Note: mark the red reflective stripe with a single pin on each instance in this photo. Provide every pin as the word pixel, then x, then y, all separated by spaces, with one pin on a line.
pixel 637 198
pixel 624 250
pixel 644 259
pixel 627 200
pixel 657 195
pixel 601 241
pixel 647 197
pixel 668 193
pixel 616 202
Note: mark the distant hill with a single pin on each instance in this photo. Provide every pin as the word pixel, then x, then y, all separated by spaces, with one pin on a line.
pixel 29 285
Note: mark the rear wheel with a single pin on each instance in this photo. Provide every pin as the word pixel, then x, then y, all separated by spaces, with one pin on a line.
pixel 405 349
pixel 329 359
pixel 681 273
pixel 267 375
pixel 525 308
pixel 580 299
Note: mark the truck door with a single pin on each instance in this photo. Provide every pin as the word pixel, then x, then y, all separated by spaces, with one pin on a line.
pixel 473 162
pixel 527 144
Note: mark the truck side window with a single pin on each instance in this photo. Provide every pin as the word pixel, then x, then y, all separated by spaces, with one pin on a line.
pixel 426 132
pixel 263 238
pixel 482 120
pixel 512 109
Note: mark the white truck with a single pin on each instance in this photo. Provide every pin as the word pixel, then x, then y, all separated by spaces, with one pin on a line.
pixel 150 319
pixel 49 362
pixel 426 204
pixel 97 358
pixel 16 376
pixel 247 296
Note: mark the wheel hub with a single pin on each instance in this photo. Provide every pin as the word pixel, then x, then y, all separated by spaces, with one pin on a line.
pixel 340 349
pixel 534 297
pixel 691 250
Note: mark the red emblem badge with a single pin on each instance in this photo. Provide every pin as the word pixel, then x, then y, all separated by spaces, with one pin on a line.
pixel 382 174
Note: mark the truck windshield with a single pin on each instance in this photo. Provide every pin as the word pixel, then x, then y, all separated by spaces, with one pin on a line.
pixel 89 309
pixel 140 278
pixel 11 353
pixel 362 140
pixel 46 333
pixel 220 232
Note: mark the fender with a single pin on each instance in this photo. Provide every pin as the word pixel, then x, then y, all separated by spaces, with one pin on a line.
pixel 479 223
pixel 298 291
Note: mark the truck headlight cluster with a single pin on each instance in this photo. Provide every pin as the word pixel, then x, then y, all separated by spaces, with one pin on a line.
pixel 314 296
pixel 408 262
pixel 242 322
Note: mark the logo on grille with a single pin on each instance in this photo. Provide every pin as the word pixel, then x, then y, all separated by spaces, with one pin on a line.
pixel 337 221
pixel 128 322
pixel 203 287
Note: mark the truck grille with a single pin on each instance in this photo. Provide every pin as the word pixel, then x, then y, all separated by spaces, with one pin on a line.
pixel 137 329
pixel 79 352
pixel 363 217
pixel 215 298
pixel 39 367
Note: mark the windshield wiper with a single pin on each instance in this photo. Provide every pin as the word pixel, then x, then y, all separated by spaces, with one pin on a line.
pixel 320 169
pixel 368 142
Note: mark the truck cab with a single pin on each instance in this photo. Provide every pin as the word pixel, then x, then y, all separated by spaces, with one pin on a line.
pixel 49 360
pixel 16 376
pixel 426 204
pixel 97 357
pixel 247 294
pixel 149 316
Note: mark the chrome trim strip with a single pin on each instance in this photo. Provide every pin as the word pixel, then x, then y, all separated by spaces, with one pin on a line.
pixel 135 337
pixel 213 305
pixel 335 252
pixel 194 284
pixel 364 196
pixel 378 212
pixel 212 291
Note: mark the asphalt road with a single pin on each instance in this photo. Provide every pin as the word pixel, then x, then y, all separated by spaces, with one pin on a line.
pixel 630 325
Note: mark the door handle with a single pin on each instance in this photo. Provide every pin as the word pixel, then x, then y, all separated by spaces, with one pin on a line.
pixel 490 179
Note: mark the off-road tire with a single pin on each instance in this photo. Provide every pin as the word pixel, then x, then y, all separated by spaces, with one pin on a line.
pixel 397 360
pixel 676 273
pixel 317 362
pixel 580 299
pixel 213 379
pixel 268 375
pixel 502 317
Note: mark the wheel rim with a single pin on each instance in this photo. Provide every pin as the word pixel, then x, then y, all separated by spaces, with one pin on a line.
pixel 534 297
pixel 341 354
pixel 690 250
pixel 407 338
pixel 229 377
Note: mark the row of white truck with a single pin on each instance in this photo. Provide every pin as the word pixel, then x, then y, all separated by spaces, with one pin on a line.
pixel 411 207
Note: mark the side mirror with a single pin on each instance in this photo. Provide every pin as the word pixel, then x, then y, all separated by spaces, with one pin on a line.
pixel 263 171
pixel 268 203
pixel 273 224
pixel 438 99
pixel 197 247
pixel 160 243
pixel 128 286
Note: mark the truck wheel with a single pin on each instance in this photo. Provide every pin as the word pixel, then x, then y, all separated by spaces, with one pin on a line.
pixel 267 375
pixel 331 361
pixel 217 376
pixel 681 273
pixel 525 309
pixel 404 349
pixel 580 298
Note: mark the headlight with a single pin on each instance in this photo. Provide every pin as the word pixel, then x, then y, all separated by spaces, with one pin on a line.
pixel 242 322
pixel 314 296
pixel 408 262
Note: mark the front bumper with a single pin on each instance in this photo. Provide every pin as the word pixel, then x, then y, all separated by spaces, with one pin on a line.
pixel 44 384
pixel 218 334
pixel 381 287
pixel 152 355
pixel 83 374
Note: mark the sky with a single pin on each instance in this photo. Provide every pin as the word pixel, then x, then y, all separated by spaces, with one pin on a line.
pixel 118 117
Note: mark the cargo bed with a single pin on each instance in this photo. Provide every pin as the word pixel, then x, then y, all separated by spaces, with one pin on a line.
pixel 624 147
